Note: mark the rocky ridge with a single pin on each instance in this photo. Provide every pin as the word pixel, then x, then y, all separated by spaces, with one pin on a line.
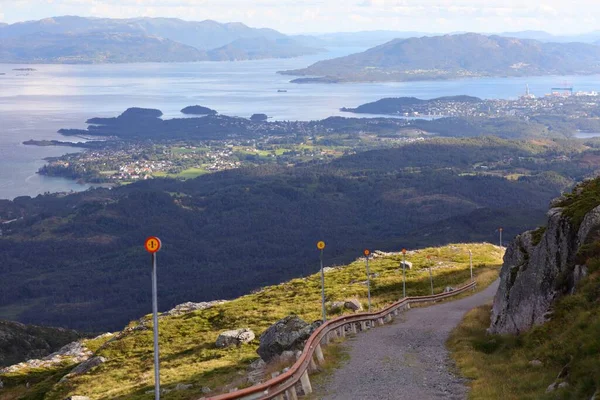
pixel 542 265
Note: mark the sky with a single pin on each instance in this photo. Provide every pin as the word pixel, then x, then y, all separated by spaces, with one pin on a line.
pixel 311 16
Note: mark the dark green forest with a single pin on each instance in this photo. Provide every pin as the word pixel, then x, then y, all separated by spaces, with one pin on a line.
pixel 79 261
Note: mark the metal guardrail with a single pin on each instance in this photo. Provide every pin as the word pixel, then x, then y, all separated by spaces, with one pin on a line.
pixel 284 385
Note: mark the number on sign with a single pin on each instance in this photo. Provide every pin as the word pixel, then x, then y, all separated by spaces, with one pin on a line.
pixel 152 244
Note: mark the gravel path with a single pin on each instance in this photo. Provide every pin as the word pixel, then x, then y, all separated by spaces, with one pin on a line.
pixel 406 359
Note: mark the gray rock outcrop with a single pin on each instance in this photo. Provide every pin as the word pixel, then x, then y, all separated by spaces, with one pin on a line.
pixel 539 267
pixel 287 334
pixel 235 337
pixel 84 367
pixel 353 304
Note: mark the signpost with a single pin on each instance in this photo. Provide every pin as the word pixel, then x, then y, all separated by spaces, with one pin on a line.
pixel 500 230
pixel 430 276
pixel 471 263
pixel 367 253
pixel 152 246
pixel 403 272
pixel 321 247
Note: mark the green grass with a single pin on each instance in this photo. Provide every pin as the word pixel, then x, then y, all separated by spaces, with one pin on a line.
pixel 584 198
pixel 498 365
pixel 188 354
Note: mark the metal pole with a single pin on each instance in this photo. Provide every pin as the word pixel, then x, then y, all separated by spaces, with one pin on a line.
pixel 471 263
pixel 323 288
pixel 155 321
pixel 500 237
pixel 431 279
pixel 368 283
pixel 403 276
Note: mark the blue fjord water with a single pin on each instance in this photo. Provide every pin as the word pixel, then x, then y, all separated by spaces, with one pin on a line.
pixel 34 105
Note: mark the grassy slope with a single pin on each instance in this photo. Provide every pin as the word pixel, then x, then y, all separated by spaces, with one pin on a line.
pixel 188 354
pixel 498 365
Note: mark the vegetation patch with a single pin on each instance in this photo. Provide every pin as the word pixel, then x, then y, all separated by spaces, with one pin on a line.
pixel 188 353
pixel 499 366
pixel 584 198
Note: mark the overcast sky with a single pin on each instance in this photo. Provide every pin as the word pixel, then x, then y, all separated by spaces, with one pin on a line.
pixel 293 16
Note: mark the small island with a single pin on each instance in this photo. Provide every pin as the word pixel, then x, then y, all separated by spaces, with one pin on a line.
pixel 198 110
pixel 259 117
pixel 24 69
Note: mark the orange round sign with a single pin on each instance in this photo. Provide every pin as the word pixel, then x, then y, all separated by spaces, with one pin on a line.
pixel 321 245
pixel 366 252
pixel 152 244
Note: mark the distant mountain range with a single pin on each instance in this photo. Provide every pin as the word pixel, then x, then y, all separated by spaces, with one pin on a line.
pixel 96 40
pixel 455 56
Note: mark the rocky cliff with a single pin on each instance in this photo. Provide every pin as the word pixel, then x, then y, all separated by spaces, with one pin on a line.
pixel 542 265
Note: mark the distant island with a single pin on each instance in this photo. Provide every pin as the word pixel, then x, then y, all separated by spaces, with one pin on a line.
pixel 198 110
pixel 24 69
pixel 405 105
pixel 78 40
pixel 454 56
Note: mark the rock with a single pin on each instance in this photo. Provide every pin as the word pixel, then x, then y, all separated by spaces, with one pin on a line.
pixel 235 337
pixel 256 371
pixel 84 367
pixel 535 275
pixel 353 304
pixel 206 389
pixel 189 307
pixel 406 264
pixel 563 385
pixel 289 333
pixel 535 363
pixel 77 398
pixel 328 269
pixel 287 356
pixel 74 352
pixel 335 306
pixel 183 386
pixel 551 388
pixel 448 289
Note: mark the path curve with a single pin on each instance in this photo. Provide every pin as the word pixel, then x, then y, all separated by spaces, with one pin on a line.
pixel 406 359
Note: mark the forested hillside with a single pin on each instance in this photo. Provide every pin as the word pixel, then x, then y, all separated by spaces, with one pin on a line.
pixel 78 260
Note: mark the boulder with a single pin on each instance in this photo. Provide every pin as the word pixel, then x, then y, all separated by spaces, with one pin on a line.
pixel 353 304
pixel 535 363
pixel 235 337
pixel 84 367
pixel 335 306
pixel 288 333
pixel 448 289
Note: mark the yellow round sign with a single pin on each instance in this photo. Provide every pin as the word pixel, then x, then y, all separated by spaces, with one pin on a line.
pixel 152 244
pixel 366 252
pixel 321 245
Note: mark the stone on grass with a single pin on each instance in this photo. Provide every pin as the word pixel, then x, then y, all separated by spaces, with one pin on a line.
pixel 353 304
pixel 235 337
pixel 288 333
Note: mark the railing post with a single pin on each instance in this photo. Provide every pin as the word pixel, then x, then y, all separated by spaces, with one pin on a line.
pixel 305 381
pixel 279 396
pixel 291 394
pixel 343 331
pixel 353 328
pixel 313 365
pixel 319 354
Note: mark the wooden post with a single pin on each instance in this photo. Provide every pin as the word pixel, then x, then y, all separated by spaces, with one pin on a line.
pixel 291 394
pixel 343 331
pixel 353 328
pixel 363 326
pixel 319 354
pixel 279 396
pixel 305 381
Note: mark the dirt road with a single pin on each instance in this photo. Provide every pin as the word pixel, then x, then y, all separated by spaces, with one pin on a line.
pixel 406 359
